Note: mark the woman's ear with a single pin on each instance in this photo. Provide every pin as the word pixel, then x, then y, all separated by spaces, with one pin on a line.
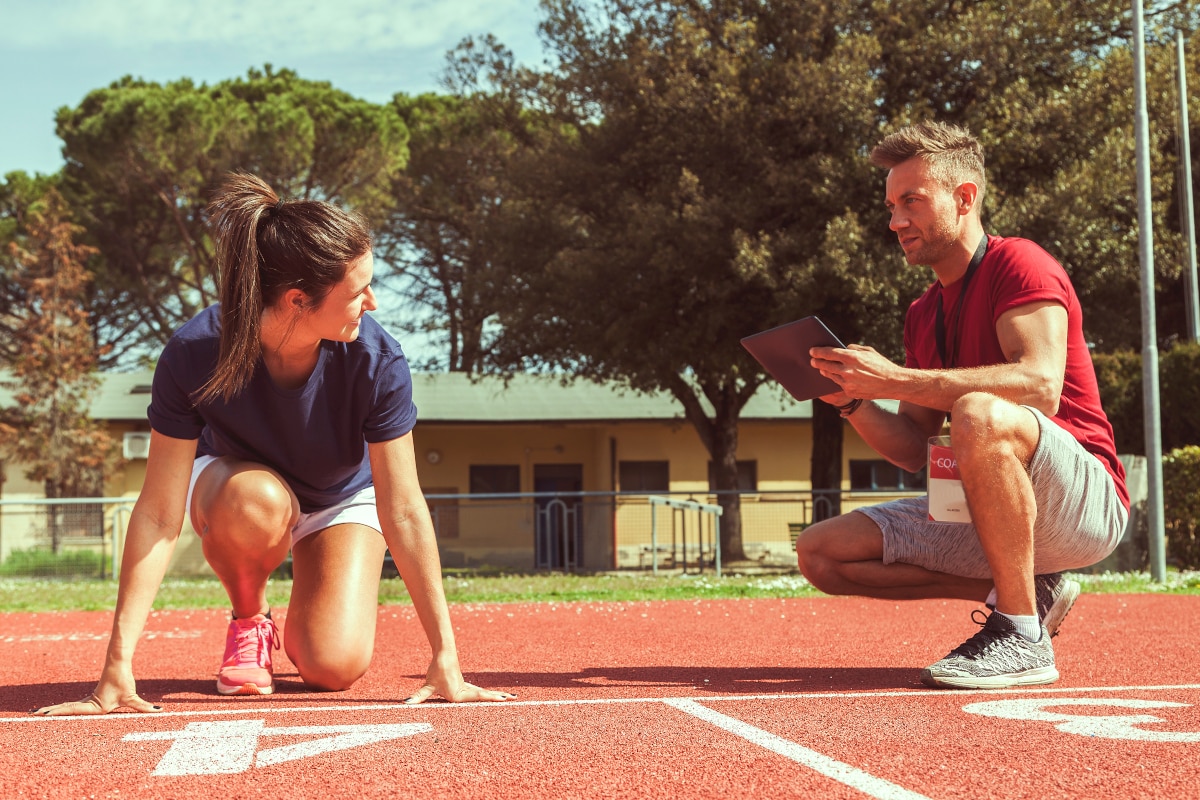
pixel 294 301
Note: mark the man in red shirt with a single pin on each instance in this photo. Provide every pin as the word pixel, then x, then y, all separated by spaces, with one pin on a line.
pixel 995 346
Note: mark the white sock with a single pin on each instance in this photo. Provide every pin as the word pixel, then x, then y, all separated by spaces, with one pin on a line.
pixel 991 598
pixel 1027 625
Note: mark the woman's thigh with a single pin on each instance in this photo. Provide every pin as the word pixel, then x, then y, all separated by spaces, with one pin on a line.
pixel 330 629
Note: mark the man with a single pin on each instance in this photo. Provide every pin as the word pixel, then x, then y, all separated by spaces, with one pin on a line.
pixel 996 347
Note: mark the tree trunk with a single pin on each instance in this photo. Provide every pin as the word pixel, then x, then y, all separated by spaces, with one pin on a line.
pixel 719 435
pixel 828 434
pixel 724 456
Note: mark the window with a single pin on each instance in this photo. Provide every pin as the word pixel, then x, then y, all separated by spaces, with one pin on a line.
pixel 747 476
pixel 880 476
pixel 644 476
pixel 495 478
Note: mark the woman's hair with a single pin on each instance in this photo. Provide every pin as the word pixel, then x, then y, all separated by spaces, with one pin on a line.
pixel 265 247
pixel 954 156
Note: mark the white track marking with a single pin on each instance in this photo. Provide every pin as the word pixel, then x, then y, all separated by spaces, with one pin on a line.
pixel 1115 726
pixel 853 777
pixel 914 694
pixel 223 748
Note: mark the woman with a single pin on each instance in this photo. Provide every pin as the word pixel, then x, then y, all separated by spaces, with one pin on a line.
pixel 282 420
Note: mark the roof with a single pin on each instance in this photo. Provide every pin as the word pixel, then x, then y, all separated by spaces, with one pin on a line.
pixel 454 397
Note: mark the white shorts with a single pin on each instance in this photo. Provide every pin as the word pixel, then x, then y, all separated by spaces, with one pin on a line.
pixel 359 508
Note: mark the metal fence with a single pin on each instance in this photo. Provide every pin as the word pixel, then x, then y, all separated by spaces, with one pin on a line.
pixel 62 537
pixel 617 530
pixel 82 537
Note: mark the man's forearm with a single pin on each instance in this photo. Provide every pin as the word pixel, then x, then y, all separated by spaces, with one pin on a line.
pixel 941 388
pixel 894 436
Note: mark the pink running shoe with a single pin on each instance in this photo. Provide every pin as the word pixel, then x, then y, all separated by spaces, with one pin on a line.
pixel 246 668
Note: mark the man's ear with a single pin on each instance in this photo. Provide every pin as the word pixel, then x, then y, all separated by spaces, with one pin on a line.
pixel 965 197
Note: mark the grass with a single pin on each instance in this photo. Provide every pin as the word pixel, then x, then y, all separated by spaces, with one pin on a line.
pixel 34 594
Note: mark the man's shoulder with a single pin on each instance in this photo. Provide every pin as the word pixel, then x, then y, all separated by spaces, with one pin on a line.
pixel 1012 248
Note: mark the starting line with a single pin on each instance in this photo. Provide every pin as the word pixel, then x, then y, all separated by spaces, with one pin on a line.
pixel 232 746
pixel 929 694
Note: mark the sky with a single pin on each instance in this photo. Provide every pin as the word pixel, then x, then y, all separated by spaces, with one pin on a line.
pixel 53 52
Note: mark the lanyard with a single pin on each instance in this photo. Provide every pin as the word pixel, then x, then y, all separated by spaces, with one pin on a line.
pixel 940 330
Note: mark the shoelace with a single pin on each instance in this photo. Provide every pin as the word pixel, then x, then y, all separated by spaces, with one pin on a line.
pixel 254 643
pixel 982 638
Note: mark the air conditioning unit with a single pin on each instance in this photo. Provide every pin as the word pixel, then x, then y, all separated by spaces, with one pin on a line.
pixel 136 445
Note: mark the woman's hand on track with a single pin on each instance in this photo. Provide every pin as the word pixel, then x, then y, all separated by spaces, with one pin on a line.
pixel 102 701
pixel 445 680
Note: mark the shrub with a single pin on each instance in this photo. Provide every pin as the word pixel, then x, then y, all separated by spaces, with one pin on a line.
pixel 1119 375
pixel 42 563
pixel 1181 502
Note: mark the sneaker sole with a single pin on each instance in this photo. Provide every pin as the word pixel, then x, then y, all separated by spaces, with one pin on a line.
pixel 1061 607
pixel 1031 677
pixel 244 688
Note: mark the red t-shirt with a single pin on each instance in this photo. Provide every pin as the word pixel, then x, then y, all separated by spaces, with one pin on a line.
pixel 1015 272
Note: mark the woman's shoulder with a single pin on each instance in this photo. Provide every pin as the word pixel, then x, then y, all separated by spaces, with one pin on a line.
pixel 205 325
pixel 375 341
pixel 198 338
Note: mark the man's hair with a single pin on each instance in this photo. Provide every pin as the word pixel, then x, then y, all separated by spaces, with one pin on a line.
pixel 954 156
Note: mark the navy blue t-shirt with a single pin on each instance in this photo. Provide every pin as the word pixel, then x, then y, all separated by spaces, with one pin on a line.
pixel 314 436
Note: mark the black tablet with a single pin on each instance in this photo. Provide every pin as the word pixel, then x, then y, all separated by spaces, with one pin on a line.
pixel 783 352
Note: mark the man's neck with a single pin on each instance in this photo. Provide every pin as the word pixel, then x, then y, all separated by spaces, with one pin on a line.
pixel 951 269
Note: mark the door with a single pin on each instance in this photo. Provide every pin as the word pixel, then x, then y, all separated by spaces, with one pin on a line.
pixel 558 511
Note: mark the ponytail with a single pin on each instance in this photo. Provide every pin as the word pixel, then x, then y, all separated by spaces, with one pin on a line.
pixel 264 247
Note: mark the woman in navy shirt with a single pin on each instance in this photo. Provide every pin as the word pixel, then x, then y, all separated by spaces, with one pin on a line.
pixel 282 420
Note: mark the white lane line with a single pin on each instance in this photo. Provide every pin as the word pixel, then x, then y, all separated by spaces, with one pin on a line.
pixel 853 777
pixel 260 706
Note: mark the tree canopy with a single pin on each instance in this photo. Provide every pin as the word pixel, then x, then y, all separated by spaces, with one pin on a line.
pixel 142 160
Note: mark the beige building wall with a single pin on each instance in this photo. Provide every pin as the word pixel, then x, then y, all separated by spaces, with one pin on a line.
pixel 490 531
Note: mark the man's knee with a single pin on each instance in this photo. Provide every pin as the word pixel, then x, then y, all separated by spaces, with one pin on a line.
pixel 983 425
pixel 821 549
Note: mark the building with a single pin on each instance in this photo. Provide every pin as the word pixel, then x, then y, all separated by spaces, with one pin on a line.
pixel 583 459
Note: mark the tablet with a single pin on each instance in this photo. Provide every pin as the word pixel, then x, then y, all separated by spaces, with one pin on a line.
pixel 783 352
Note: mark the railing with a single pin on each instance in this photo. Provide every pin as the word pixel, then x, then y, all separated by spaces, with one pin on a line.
pixel 621 530
pixel 62 537
pixel 530 531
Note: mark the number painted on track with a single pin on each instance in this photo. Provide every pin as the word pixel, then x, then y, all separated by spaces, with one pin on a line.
pixel 1118 726
pixel 221 748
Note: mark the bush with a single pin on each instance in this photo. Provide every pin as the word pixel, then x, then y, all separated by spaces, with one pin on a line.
pixel 1181 502
pixel 1119 375
pixel 42 563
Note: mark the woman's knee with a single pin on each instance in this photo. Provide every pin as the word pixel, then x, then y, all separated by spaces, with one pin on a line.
pixel 332 671
pixel 254 498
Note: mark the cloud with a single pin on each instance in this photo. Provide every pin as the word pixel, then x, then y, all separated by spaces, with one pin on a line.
pixel 298 27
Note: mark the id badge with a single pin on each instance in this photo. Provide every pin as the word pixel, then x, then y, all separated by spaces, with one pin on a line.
pixel 947 501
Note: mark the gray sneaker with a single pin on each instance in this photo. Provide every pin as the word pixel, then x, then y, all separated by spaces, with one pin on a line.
pixel 997 657
pixel 1056 593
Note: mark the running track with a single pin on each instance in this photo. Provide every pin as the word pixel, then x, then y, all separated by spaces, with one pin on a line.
pixel 740 698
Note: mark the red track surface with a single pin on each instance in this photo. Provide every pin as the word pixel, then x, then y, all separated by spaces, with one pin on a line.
pixel 762 698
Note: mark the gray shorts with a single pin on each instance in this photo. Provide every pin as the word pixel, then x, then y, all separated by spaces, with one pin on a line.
pixel 1080 517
